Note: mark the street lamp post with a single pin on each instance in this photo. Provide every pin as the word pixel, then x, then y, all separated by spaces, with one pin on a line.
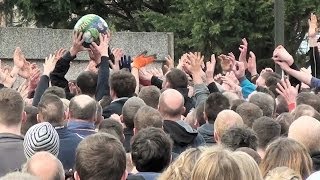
pixel 279 10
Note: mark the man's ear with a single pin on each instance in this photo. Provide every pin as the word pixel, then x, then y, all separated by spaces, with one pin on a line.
pixel 125 175
pixel 65 115
pixel 135 131
pixel 24 117
pixel 76 175
pixel 183 110
pixel 38 118
pixel 216 137
pixel 121 118
pixel 205 116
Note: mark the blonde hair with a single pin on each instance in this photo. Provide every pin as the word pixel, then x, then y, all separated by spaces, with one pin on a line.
pixel 287 152
pixel 216 163
pixel 283 173
pixel 250 169
pixel 180 169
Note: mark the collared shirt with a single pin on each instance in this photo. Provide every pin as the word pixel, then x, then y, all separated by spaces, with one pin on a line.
pixel 81 127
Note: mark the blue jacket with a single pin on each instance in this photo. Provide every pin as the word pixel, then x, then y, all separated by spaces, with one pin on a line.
pixel 68 144
pixel 247 87
pixel 81 127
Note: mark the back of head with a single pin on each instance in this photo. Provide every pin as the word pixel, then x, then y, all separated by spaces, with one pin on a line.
pixel 129 110
pixel 305 110
pixel 254 154
pixel 44 166
pixel 310 99
pixel 287 152
pixel 231 96
pixel 250 169
pixel 237 137
pixel 11 107
pixel 58 91
pixel 87 82
pixel 41 137
pixel 31 112
pixel 122 83
pixel 177 79
pixel 82 107
pixel 249 112
pixel 224 121
pixel 51 109
pixel 266 130
pixel 147 117
pixel 281 105
pixel 171 104
pixel 180 168
pixel 306 130
pixel 283 173
pixel 151 150
pixel 150 95
pixel 100 156
pixel 215 103
pixel 112 127
pixel 18 176
pixel 265 102
pixel 216 163
pixel 285 120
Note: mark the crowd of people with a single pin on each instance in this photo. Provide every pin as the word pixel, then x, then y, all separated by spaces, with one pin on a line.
pixel 120 119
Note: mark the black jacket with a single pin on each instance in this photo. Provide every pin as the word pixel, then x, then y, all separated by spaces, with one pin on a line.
pixel 314 61
pixel 315 156
pixel 115 107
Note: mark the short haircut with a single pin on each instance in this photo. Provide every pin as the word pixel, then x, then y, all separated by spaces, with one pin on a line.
pixel 58 91
pixel 51 109
pixel 100 156
pixel 281 105
pixel 266 130
pixel 235 103
pixel 225 120
pixel 87 82
pixel 11 107
pixel 82 107
pixel 31 112
pixel 147 117
pixel 265 102
pixel 237 137
pixel 309 99
pixel 150 95
pixel 199 114
pixel 305 110
pixel 171 103
pixel 249 112
pixel 122 83
pixel 129 110
pixel 112 127
pixel 266 91
pixel 151 150
pixel 231 96
pixel 285 120
pixel 177 79
pixel 215 103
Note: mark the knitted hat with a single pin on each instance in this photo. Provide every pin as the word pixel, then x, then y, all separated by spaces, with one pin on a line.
pixel 41 137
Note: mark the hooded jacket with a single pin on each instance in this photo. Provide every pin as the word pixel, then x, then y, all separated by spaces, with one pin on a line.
pixel 183 135
pixel 207 132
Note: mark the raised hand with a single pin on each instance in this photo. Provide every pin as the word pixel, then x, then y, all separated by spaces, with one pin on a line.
pixel 5 78
pixel 169 64
pixel 125 62
pixel 243 52
pixel 103 46
pixel 210 69
pixel 225 62
pixel 239 70
pixel 252 64
pixel 58 54
pixel 281 54
pixel 77 41
pixel 287 91
pixel 195 63
pixel 34 79
pixel 18 58
pixel 118 53
pixel 142 60
pixel 49 64
pixel 73 88
pixel 92 67
pixel 94 55
pixel 24 89
pixel 313 25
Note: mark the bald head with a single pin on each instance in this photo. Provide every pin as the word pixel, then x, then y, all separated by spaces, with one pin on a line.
pixel 45 166
pixel 171 104
pixel 83 107
pixel 224 121
pixel 306 130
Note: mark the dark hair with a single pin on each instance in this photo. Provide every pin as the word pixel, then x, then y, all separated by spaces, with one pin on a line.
pixel 215 103
pixel 237 137
pixel 249 112
pixel 85 111
pixel 305 110
pixel 177 79
pixel 236 103
pixel 309 99
pixel 130 109
pixel 100 156
pixel 266 130
pixel 58 91
pixel 150 95
pixel 199 114
pixel 266 91
pixel 31 112
pixel 147 117
pixel 285 120
pixel 123 83
pixel 51 109
pixel 112 127
pixel 282 105
pixel 11 107
pixel 87 82
pixel 265 102
pixel 151 150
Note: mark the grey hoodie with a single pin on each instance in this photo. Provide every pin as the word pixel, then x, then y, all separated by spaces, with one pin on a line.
pixel 207 132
